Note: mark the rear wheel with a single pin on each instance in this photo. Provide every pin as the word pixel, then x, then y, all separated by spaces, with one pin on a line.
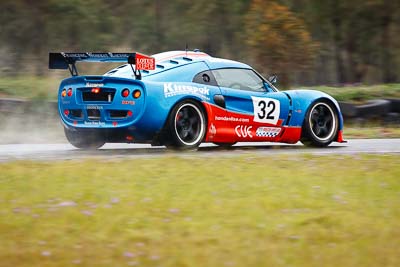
pixel 321 125
pixel 187 125
pixel 84 139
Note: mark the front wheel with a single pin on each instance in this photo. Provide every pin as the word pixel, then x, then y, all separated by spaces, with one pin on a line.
pixel 321 125
pixel 84 139
pixel 187 125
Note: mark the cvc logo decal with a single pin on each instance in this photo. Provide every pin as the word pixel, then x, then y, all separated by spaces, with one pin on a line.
pixel 243 131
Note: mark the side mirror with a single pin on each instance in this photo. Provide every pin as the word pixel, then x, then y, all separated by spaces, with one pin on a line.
pixel 273 79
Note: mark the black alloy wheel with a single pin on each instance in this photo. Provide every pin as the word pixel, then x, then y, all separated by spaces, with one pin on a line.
pixel 187 125
pixel 321 125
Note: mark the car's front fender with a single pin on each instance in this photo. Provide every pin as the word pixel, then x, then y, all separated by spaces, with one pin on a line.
pixel 302 100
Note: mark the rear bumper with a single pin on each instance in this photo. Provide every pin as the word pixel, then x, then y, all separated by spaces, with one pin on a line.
pixel 96 116
pixel 118 135
pixel 99 102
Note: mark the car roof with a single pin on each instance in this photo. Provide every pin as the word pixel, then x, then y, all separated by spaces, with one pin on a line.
pixel 172 59
pixel 180 57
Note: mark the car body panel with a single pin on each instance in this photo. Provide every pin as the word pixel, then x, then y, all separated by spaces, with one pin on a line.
pixel 233 115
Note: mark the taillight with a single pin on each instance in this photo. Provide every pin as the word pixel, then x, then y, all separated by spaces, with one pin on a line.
pixel 96 90
pixel 64 92
pixel 129 113
pixel 137 94
pixel 66 112
pixel 125 92
pixel 69 92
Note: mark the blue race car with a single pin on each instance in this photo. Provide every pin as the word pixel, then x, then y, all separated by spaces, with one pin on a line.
pixel 183 98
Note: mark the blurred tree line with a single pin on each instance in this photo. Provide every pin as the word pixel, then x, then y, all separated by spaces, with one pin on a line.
pixel 305 42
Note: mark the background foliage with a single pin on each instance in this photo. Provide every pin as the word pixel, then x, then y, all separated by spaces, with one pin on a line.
pixel 306 42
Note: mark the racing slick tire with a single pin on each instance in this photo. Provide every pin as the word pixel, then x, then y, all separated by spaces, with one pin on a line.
pixel 86 139
pixel 186 125
pixel 349 110
pixel 376 108
pixel 394 105
pixel 320 125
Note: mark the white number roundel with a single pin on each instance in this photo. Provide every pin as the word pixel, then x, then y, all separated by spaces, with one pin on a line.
pixel 266 110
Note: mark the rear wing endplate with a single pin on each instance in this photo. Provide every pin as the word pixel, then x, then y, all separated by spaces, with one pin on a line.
pixel 64 60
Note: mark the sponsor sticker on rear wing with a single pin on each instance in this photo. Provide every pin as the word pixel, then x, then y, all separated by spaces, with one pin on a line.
pixel 63 60
pixel 142 62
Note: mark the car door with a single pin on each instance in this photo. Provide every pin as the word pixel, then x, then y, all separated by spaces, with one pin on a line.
pixel 215 107
pixel 254 111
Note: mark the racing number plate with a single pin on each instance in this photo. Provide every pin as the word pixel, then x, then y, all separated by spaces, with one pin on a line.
pixel 266 110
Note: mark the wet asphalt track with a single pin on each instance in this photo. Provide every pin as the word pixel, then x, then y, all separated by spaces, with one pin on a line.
pixel 115 151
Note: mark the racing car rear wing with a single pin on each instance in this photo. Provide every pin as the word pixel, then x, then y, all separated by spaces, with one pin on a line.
pixel 64 60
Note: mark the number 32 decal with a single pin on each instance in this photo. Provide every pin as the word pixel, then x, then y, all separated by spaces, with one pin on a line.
pixel 266 110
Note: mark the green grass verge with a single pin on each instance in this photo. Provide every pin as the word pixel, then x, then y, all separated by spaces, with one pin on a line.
pixel 371 131
pixel 362 92
pixel 32 87
pixel 297 210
